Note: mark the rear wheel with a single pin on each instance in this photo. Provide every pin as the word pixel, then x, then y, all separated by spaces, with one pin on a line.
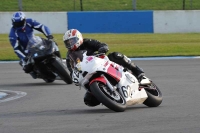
pixel 61 70
pixel 154 96
pixel 112 100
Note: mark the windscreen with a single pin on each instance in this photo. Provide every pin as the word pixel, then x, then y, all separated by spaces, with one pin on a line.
pixel 35 42
pixel 77 55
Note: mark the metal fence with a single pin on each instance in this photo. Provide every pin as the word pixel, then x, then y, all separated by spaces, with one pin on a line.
pixel 97 5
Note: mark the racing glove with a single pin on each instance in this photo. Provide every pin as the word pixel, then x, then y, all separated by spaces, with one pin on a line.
pixel 103 49
pixel 50 37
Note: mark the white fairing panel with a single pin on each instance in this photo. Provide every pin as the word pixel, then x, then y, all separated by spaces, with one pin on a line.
pixel 129 86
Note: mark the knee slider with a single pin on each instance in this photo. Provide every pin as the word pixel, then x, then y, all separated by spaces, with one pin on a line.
pixel 28 68
pixel 90 100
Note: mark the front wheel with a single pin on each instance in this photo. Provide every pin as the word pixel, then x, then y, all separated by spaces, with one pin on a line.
pixel 112 100
pixel 61 71
pixel 154 96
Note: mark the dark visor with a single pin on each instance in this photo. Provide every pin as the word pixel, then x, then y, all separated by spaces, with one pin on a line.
pixel 71 42
pixel 19 24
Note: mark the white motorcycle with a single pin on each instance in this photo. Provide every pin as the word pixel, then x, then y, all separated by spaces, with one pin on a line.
pixel 112 85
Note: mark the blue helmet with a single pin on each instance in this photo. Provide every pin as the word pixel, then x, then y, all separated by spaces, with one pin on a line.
pixel 18 20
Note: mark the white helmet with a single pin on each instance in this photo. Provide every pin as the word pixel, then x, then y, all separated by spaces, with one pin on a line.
pixel 72 39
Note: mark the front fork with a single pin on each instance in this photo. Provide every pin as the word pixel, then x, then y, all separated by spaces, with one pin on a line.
pixel 104 80
pixel 110 86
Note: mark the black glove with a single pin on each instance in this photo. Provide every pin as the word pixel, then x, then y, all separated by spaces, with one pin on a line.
pixel 50 37
pixel 103 49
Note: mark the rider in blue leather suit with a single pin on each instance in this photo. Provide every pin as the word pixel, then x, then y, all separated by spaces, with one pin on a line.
pixel 22 28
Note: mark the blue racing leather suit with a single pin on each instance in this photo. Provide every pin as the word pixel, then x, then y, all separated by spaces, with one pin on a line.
pixel 19 37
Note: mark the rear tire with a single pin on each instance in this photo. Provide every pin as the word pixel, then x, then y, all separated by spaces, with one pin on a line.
pixel 154 96
pixel 61 71
pixel 114 101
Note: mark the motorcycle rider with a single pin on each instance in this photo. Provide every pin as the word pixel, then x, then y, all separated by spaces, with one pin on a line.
pixel 20 32
pixel 74 41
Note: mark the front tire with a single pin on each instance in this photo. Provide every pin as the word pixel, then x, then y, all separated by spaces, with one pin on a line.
pixel 60 69
pixel 113 101
pixel 154 96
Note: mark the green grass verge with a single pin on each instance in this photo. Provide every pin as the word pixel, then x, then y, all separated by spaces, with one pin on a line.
pixel 98 5
pixel 132 45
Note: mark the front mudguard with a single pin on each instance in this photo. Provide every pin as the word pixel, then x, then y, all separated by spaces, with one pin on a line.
pixel 100 79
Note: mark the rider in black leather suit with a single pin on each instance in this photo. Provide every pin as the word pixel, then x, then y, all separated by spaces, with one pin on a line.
pixel 74 41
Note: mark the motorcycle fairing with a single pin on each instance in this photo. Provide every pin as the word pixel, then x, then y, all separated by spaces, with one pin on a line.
pixel 42 49
pixel 130 90
pixel 114 73
pixel 127 83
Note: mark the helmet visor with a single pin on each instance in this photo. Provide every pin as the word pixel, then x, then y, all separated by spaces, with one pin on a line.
pixel 71 42
pixel 19 24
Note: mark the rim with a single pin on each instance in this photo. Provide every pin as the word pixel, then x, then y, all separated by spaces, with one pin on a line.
pixel 114 96
pixel 153 89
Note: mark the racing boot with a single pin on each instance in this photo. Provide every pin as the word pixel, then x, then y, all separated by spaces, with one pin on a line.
pixel 139 74
pixel 136 71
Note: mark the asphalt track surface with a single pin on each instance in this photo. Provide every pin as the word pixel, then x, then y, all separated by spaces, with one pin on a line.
pixel 59 108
